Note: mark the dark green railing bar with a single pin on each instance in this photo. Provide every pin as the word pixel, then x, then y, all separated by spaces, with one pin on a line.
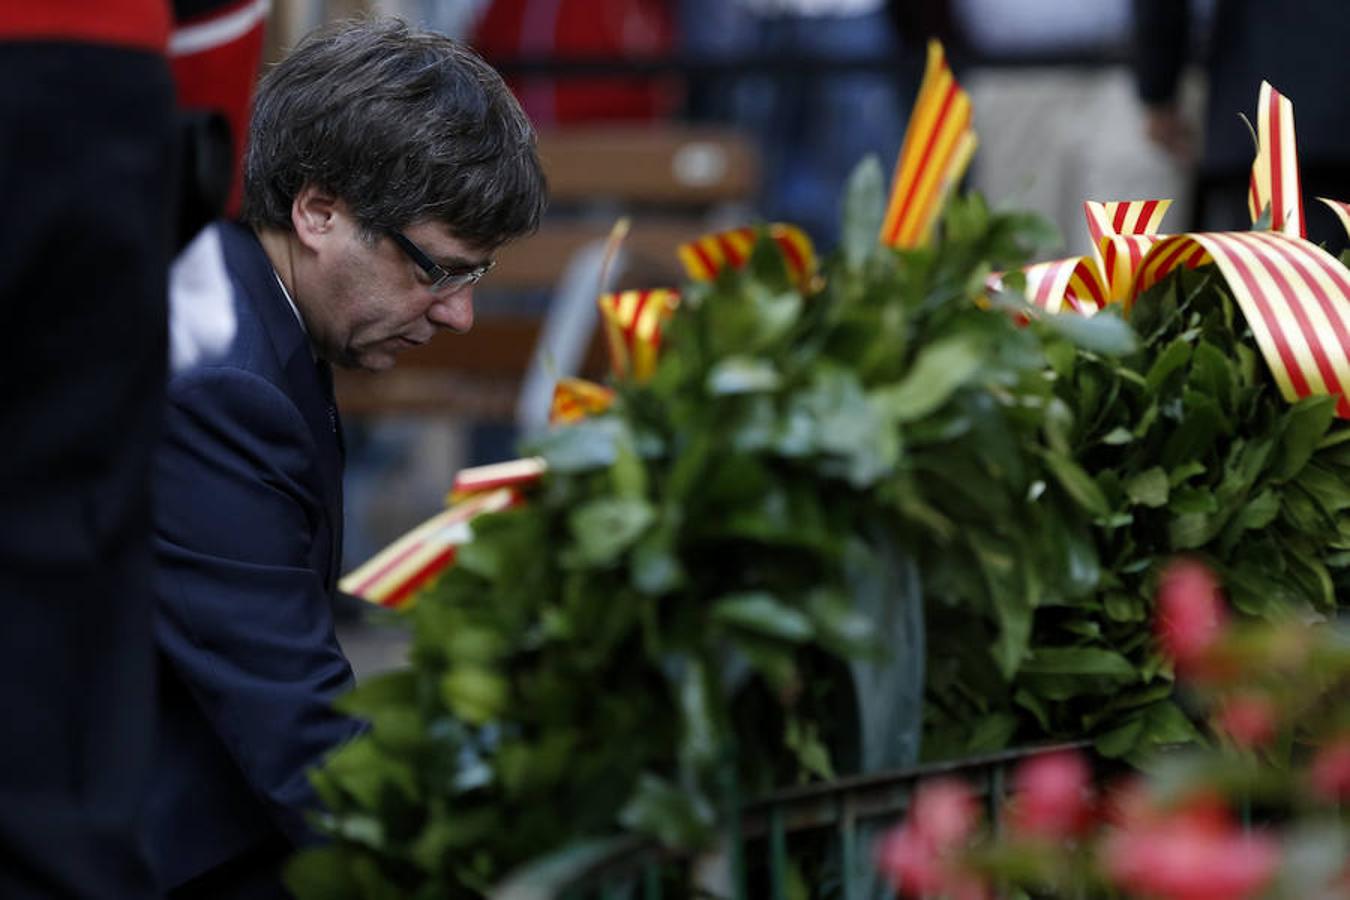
pixel 996 789
pixel 651 882
pixel 848 845
pixel 731 801
pixel 778 854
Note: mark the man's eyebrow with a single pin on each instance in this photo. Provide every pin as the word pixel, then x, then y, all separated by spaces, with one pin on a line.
pixel 460 263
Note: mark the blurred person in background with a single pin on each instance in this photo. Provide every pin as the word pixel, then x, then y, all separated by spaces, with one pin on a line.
pixel 385 166
pixel 813 126
pixel 1298 46
pixel 86 172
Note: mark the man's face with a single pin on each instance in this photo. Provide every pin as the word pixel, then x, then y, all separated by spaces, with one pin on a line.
pixel 365 302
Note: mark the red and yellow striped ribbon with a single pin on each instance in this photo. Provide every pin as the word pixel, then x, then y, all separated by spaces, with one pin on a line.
pixel 1275 180
pixel 1065 284
pixel 575 399
pixel 1295 297
pixel 1123 217
pixel 1122 232
pixel 515 473
pixel 633 321
pixel 705 257
pixel 393 577
pixel 938 144
pixel 1341 209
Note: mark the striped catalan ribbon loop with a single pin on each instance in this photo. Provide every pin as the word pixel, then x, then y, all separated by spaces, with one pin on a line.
pixel 575 399
pixel 1274 182
pixel 1122 233
pixel 1294 295
pixel 939 142
pixel 708 255
pixel 393 577
pixel 1341 209
pixel 633 321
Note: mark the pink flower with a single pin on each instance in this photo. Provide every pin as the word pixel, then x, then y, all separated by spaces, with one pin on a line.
pixel 1250 719
pixel 945 811
pixel 921 856
pixel 1052 796
pixel 1192 853
pixel 1191 615
pixel 1330 771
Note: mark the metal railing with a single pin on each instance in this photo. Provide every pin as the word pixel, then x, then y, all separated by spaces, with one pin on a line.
pixel 835 820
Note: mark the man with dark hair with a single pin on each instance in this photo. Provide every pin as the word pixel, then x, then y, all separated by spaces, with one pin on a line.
pixel 384 167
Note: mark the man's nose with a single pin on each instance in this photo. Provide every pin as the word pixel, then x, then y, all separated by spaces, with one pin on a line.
pixel 454 312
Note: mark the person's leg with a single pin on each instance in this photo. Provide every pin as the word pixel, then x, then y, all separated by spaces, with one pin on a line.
pixel 86 170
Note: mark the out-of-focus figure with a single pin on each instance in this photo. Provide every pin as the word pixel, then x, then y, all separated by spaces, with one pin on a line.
pixel 1299 47
pixel 86 165
pixel 813 126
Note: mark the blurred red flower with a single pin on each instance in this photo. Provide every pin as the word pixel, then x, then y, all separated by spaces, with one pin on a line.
pixel 1193 852
pixel 1191 614
pixel 1052 797
pixel 921 855
pixel 1330 771
pixel 1249 718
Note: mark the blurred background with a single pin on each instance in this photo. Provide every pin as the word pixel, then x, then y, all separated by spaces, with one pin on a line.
pixel 691 115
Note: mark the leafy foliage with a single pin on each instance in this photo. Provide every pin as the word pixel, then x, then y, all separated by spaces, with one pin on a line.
pixel 668 624
pixel 1184 446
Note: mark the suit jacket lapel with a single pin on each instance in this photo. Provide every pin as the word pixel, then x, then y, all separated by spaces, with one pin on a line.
pixel 305 381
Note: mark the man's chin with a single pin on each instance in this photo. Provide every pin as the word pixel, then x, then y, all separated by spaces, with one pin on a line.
pixel 374 362
pixel 366 361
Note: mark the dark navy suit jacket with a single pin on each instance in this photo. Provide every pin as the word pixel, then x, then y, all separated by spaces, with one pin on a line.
pixel 248 521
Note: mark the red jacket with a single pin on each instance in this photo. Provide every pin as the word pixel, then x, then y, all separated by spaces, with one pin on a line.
pixel 138 24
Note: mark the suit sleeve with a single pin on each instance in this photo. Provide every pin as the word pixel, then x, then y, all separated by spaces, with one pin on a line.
pixel 243 616
pixel 1161 42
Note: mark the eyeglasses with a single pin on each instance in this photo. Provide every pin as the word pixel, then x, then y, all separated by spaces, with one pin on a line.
pixel 442 280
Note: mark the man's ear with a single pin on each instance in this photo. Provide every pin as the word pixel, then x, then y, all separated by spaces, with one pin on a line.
pixel 314 214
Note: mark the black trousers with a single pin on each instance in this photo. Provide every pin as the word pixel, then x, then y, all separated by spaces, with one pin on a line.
pixel 86 175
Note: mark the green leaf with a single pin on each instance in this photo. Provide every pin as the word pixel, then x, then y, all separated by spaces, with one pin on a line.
pixel 1165 723
pixel 628 474
pixel 321 873
pixel 1077 483
pixel 1304 426
pixel 763 613
pixel 1149 487
pixel 588 444
pixel 1122 739
pixel 938 371
pixel 1177 354
pixel 380 692
pixel 864 209
pixel 698 736
pixel 992 732
pixel 839 626
pixel 607 526
pixel 742 375
pixel 803 739
pixel 1122 607
pixel 1078 661
pixel 674 817
pixel 1105 333
pixel 656 568
pixel 362 770
pixel 1185 471
pixel 474 693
